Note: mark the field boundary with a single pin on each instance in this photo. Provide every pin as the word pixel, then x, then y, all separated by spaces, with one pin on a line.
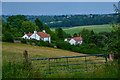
pixel 51 65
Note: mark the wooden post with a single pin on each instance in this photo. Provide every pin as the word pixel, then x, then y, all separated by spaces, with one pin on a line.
pixel 25 53
pixel 26 59
pixel 111 56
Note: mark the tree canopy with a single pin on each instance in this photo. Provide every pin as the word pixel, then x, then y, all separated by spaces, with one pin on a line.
pixel 39 24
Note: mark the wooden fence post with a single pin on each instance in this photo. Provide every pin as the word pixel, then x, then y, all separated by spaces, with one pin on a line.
pixel 25 53
pixel 111 56
pixel 26 59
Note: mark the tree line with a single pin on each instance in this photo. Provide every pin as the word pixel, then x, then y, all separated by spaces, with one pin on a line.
pixel 72 20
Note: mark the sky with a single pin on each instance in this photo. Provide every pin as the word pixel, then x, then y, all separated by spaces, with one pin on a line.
pixel 60 0
pixel 57 8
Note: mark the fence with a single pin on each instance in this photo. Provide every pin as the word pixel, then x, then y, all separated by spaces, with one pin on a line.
pixel 69 64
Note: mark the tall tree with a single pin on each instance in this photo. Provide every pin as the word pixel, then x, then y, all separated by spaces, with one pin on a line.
pixel 28 26
pixel 16 20
pixel 47 29
pixel 39 24
pixel 59 33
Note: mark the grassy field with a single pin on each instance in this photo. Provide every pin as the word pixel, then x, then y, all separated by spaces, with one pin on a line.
pixel 13 67
pixel 95 28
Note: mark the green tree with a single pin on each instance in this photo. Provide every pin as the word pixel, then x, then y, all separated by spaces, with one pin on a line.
pixel 28 26
pixel 39 24
pixel 85 35
pixel 59 33
pixel 7 37
pixel 75 34
pixel 53 36
pixel 16 20
pixel 47 29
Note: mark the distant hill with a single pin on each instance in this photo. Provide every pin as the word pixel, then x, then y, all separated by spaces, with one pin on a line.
pixel 72 20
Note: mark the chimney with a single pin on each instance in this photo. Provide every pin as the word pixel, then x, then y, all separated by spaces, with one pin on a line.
pixel 77 35
pixel 80 38
pixel 44 31
pixel 24 33
pixel 72 36
pixel 35 32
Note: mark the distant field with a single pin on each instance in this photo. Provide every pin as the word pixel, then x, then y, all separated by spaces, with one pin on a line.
pixel 95 28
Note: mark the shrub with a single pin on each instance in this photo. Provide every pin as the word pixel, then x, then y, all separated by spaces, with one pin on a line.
pixel 23 40
pixel 7 37
pixel 45 43
pixel 63 45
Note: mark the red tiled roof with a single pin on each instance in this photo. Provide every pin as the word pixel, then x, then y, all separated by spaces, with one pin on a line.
pixel 29 34
pixel 69 38
pixel 76 38
pixel 42 34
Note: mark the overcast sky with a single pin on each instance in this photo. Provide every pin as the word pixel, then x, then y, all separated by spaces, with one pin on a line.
pixel 59 0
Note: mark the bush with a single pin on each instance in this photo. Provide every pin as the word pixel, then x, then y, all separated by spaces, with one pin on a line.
pixel 16 38
pixel 45 43
pixel 23 40
pixel 63 45
pixel 7 37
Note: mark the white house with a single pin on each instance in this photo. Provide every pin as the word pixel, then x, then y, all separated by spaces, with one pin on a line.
pixel 74 40
pixel 38 36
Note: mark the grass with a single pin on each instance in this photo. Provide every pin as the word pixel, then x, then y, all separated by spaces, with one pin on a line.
pixel 95 28
pixel 13 66
pixel 35 51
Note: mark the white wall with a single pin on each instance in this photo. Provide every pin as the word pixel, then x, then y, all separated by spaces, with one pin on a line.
pixel 49 39
pixel 65 39
pixel 72 41
pixel 46 39
pixel 79 42
pixel 26 36
pixel 35 36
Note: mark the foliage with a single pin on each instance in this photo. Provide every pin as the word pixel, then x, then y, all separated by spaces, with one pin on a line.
pixel 7 37
pixel 63 45
pixel 39 24
pixel 59 33
pixel 73 20
pixel 16 20
pixel 28 26
pixel 47 29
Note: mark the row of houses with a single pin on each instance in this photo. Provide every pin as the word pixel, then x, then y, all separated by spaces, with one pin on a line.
pixel 45 37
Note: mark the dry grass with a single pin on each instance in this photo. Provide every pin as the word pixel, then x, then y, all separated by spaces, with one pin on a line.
pixel 14 51
pixel 36 50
